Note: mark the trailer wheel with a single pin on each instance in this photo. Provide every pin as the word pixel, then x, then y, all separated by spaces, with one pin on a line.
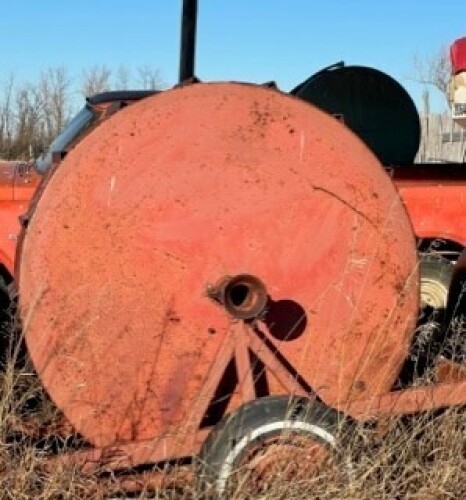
pixel 435 275
pixel 456 313
pixel 269 438
pixel 7 326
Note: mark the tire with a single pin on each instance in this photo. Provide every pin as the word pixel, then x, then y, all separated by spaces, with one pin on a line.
pixel 6 324
pixel 11 346
pixel 429 337
pixel 435 278
pixel 455 323
pixel 277 421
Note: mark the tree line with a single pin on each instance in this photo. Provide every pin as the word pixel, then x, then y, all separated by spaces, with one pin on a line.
pixel 32 114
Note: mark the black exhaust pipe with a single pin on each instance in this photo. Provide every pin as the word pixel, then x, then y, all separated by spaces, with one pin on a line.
pixel 188 40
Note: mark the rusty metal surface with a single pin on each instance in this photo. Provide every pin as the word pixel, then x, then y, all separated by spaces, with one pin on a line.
pixel 29 184
pixel 173 193
pixel 448 371
pixel 129 455
pixel 409 401
pixel 291 457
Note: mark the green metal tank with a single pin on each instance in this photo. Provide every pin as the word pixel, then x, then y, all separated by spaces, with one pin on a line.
pixel 374 105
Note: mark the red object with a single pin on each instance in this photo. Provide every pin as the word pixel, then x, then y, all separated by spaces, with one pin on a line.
pixel 146 242
pixel 169 197
pixel 18 182
pixel 434 198
pixel 458 56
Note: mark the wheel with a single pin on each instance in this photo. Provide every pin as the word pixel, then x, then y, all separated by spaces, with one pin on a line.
pixel 455 323
pixel 429 340
pixel 435 277
pixel 232 180
pixel 431 337
pixel 12 348
pixel 269 438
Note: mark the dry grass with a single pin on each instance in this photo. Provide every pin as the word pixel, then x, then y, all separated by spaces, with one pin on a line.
pixel 422 457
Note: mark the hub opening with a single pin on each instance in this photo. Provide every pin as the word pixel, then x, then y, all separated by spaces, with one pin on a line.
pixel 244 296
pixel 239 295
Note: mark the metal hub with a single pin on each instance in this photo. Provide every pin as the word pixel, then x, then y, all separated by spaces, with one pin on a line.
pixel 433 293
pixel 294 457
pixel 243 296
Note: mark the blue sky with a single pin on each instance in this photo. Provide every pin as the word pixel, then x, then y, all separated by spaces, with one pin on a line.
pixel 253 40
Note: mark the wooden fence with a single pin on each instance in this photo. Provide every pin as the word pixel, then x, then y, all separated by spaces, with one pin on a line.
pixel 441 140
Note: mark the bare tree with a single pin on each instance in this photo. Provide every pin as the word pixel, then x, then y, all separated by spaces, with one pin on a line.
pixel 29 134
pixel 149 78
pixel 122 78
pixel 6 116
pixel 434 70
pixel 33 114
pixel 95 80
pixel 425 102
pixel 54 88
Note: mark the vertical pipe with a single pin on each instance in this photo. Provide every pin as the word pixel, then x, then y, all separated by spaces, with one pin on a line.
pixel 188 39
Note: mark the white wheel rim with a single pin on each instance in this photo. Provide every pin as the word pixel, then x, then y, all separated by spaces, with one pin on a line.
pixel 229 462
pixel 433 293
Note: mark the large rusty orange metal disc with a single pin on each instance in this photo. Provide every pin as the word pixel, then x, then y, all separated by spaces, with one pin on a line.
pixel 174 193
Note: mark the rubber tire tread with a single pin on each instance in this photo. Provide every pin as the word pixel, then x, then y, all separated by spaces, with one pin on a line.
pixel 252 415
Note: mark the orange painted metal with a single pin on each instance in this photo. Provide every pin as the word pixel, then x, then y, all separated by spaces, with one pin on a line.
pixel 243 363
pixel 28 184
pixel 436 201
pixel 11 208
pixel 129 455
pixel 174 193
pixel 26 180
pixel 409 401
pixel 448 371
pixel 7 177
